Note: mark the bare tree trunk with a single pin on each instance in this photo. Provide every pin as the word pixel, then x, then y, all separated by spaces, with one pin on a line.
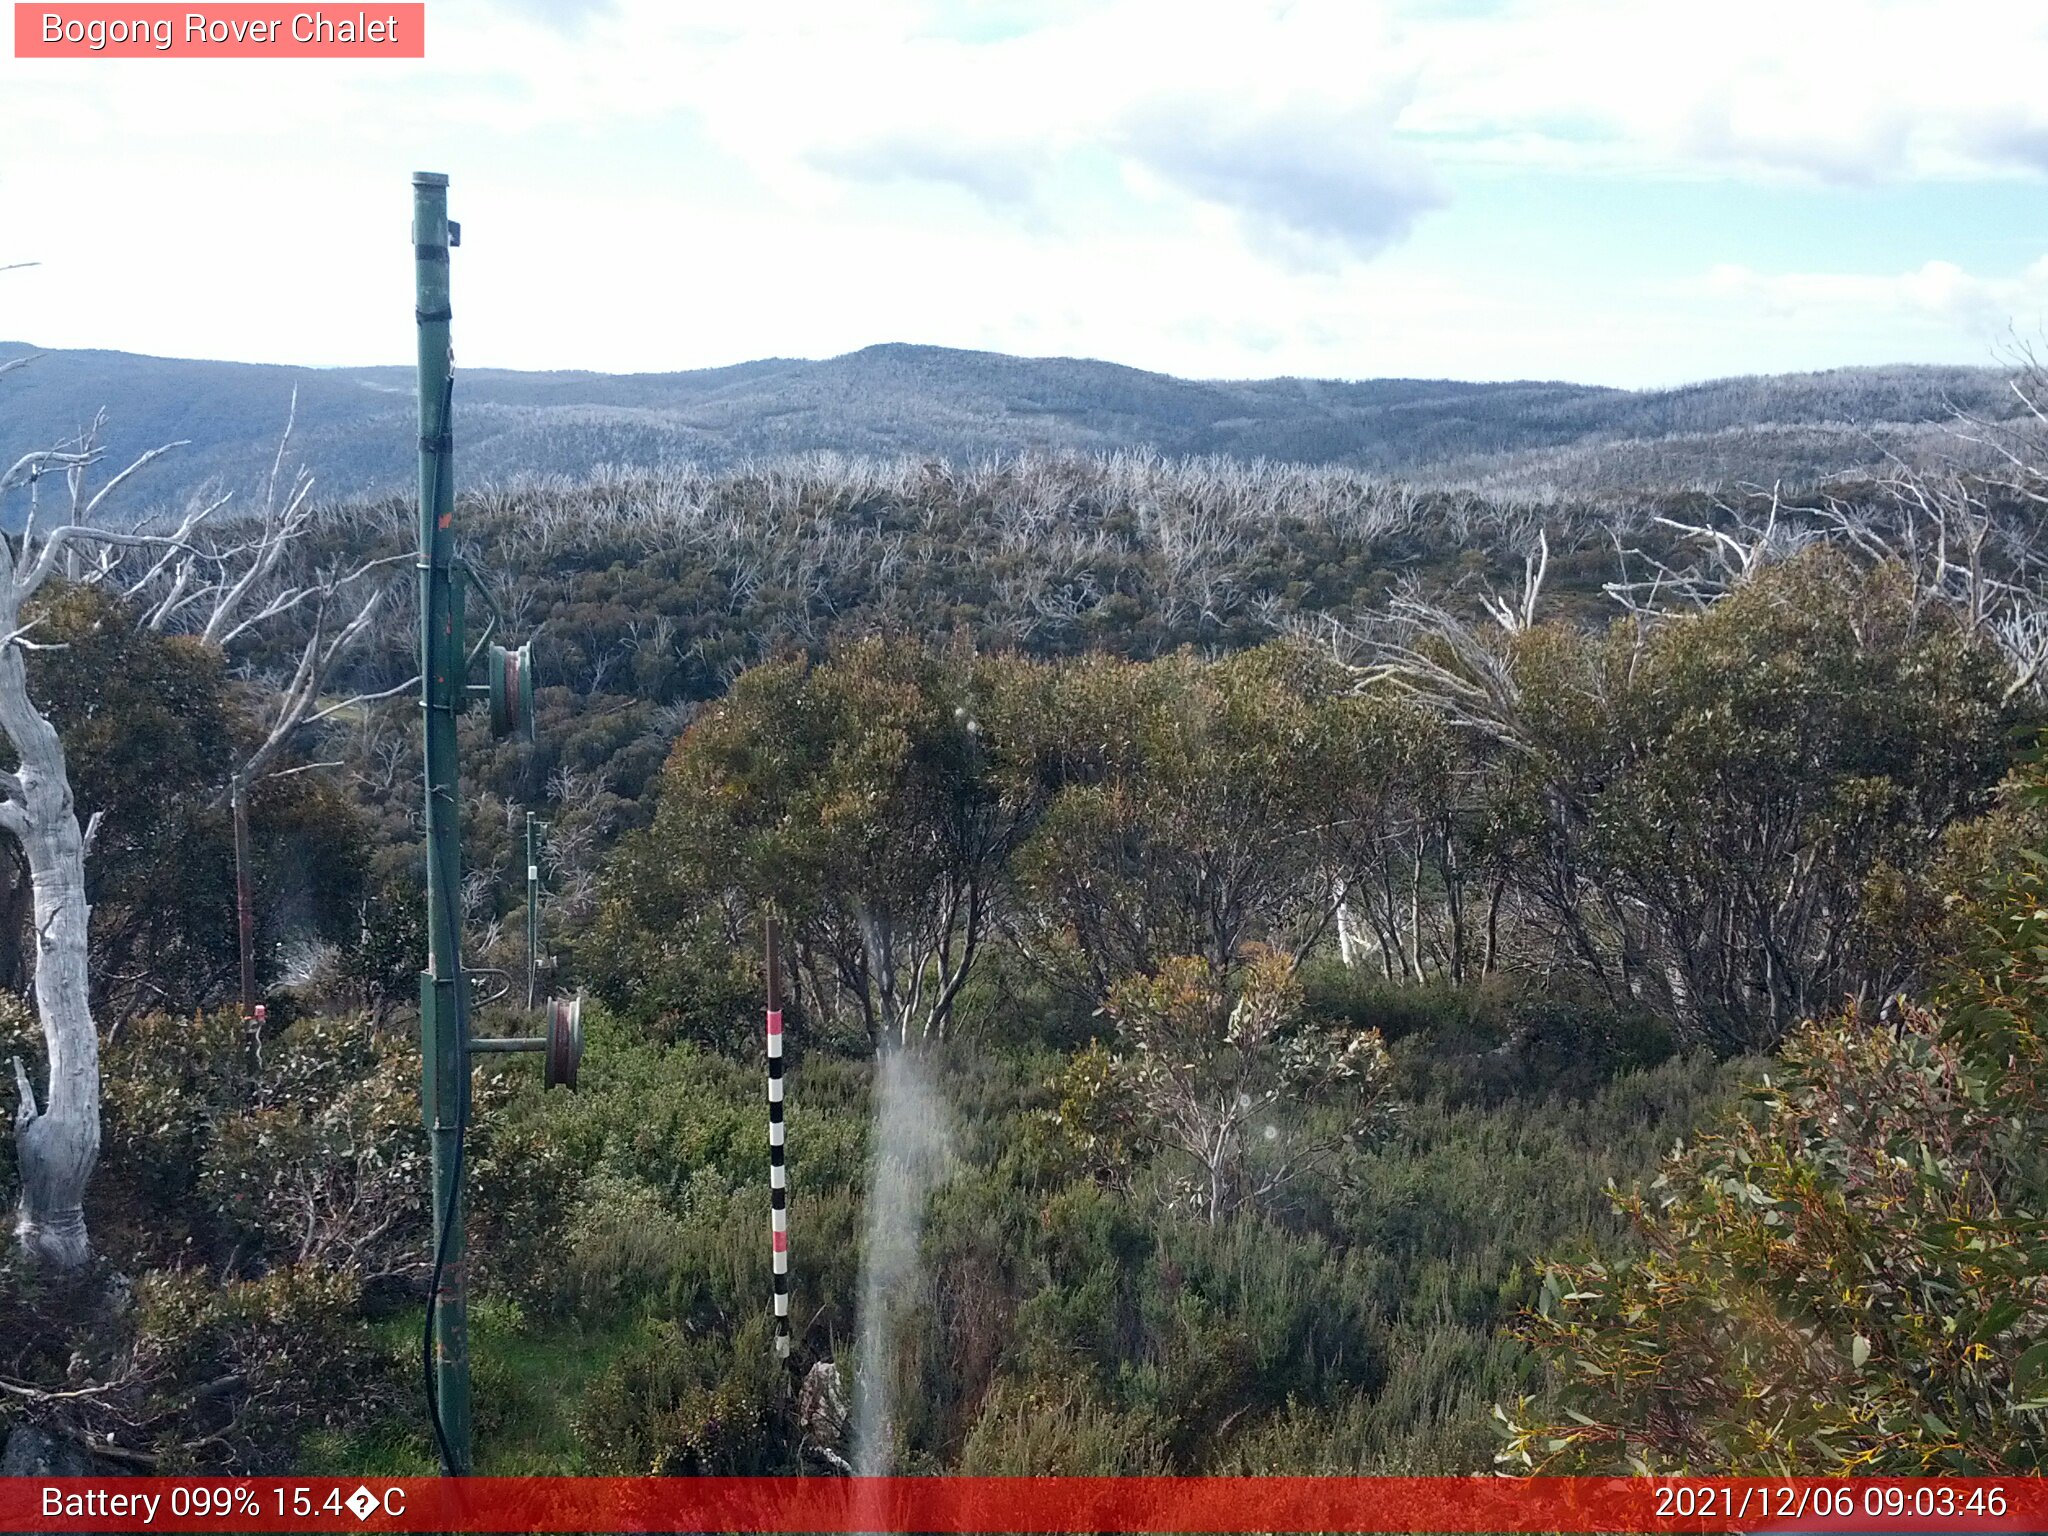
pixel 56 1144
pixel 1500 888
pixel 1454 901
pixel 1216 1155
pixel 245 901
pixel 1385 926
pixel 1415 911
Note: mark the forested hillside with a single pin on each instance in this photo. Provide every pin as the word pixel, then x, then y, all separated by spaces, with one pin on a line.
pixel 1523 438
pixel 1245 916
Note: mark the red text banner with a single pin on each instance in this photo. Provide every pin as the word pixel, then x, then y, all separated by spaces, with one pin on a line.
pixel 1051 1504
pixel 227 31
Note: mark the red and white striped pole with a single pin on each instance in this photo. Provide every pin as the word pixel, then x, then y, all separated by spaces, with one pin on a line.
pixel 778 1172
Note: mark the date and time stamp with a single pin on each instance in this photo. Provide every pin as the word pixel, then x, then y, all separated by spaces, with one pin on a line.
pixel 1759 1505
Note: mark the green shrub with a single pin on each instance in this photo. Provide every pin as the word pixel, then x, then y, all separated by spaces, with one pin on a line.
pixel 1048 1430
pixel 1853 1278
pixel 239 1372
pixel 676 1403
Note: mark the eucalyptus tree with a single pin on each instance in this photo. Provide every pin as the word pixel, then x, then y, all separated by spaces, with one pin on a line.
pixel 1191 808
pixel 1228 1081
pixel 1703 800
pixel 855 795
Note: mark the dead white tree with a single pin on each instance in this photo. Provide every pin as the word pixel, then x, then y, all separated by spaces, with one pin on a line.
pixel 232 594
pixel 56 1140
pixel 1519 614
pixel 1945 531
pixel 1724 554
pixel 1422 649
pixel 1966 540
pixel 218 583
pixel 296 706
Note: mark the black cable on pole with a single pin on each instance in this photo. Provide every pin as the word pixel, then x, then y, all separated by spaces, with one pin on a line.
pixel 462 1093
pixel 434 1295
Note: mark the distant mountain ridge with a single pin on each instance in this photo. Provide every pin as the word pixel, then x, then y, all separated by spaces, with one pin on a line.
pixel 356 425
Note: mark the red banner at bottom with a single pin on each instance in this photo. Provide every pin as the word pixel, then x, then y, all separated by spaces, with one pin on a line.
pixel 1024 1504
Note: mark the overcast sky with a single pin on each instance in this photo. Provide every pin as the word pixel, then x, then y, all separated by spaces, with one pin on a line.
pixel 1629 192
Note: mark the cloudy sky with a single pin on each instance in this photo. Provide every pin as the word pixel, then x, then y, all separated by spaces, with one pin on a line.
pixel 1631 192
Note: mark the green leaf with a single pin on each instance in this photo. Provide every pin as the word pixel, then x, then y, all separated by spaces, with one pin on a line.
pixel 1998 1319
pixel 2029 1368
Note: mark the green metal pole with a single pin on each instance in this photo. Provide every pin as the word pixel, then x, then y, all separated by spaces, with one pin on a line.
pixel 444 1023
pixel 532 909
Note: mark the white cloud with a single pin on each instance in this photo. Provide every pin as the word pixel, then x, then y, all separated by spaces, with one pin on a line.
pixel 1211 189
pixel 1282 109
pixel 1239 108
pixel 1314 184
pixel 1937 290
pixel 1833 89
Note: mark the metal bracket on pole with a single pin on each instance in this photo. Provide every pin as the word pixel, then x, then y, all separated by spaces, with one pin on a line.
pixel 563 1043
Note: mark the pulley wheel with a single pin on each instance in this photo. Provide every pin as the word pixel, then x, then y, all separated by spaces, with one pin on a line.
pixel 512 692
pixel 565 1041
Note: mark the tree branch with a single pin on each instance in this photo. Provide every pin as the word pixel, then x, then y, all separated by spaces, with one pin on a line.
pixel 31 466
pixel 25 1111
pixel 143 460
pixel 363 698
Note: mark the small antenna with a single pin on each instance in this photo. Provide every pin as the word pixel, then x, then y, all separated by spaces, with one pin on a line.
pixel 532 910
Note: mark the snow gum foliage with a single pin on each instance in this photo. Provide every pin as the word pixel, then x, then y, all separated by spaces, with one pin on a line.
pixel 1227 1079
pixel 1853 1276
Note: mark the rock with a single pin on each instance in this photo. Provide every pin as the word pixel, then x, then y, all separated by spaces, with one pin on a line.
pixel 32 1453
pixel 821 1414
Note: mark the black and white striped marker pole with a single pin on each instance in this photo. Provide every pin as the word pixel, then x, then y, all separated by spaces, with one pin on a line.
pixel 778 1172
